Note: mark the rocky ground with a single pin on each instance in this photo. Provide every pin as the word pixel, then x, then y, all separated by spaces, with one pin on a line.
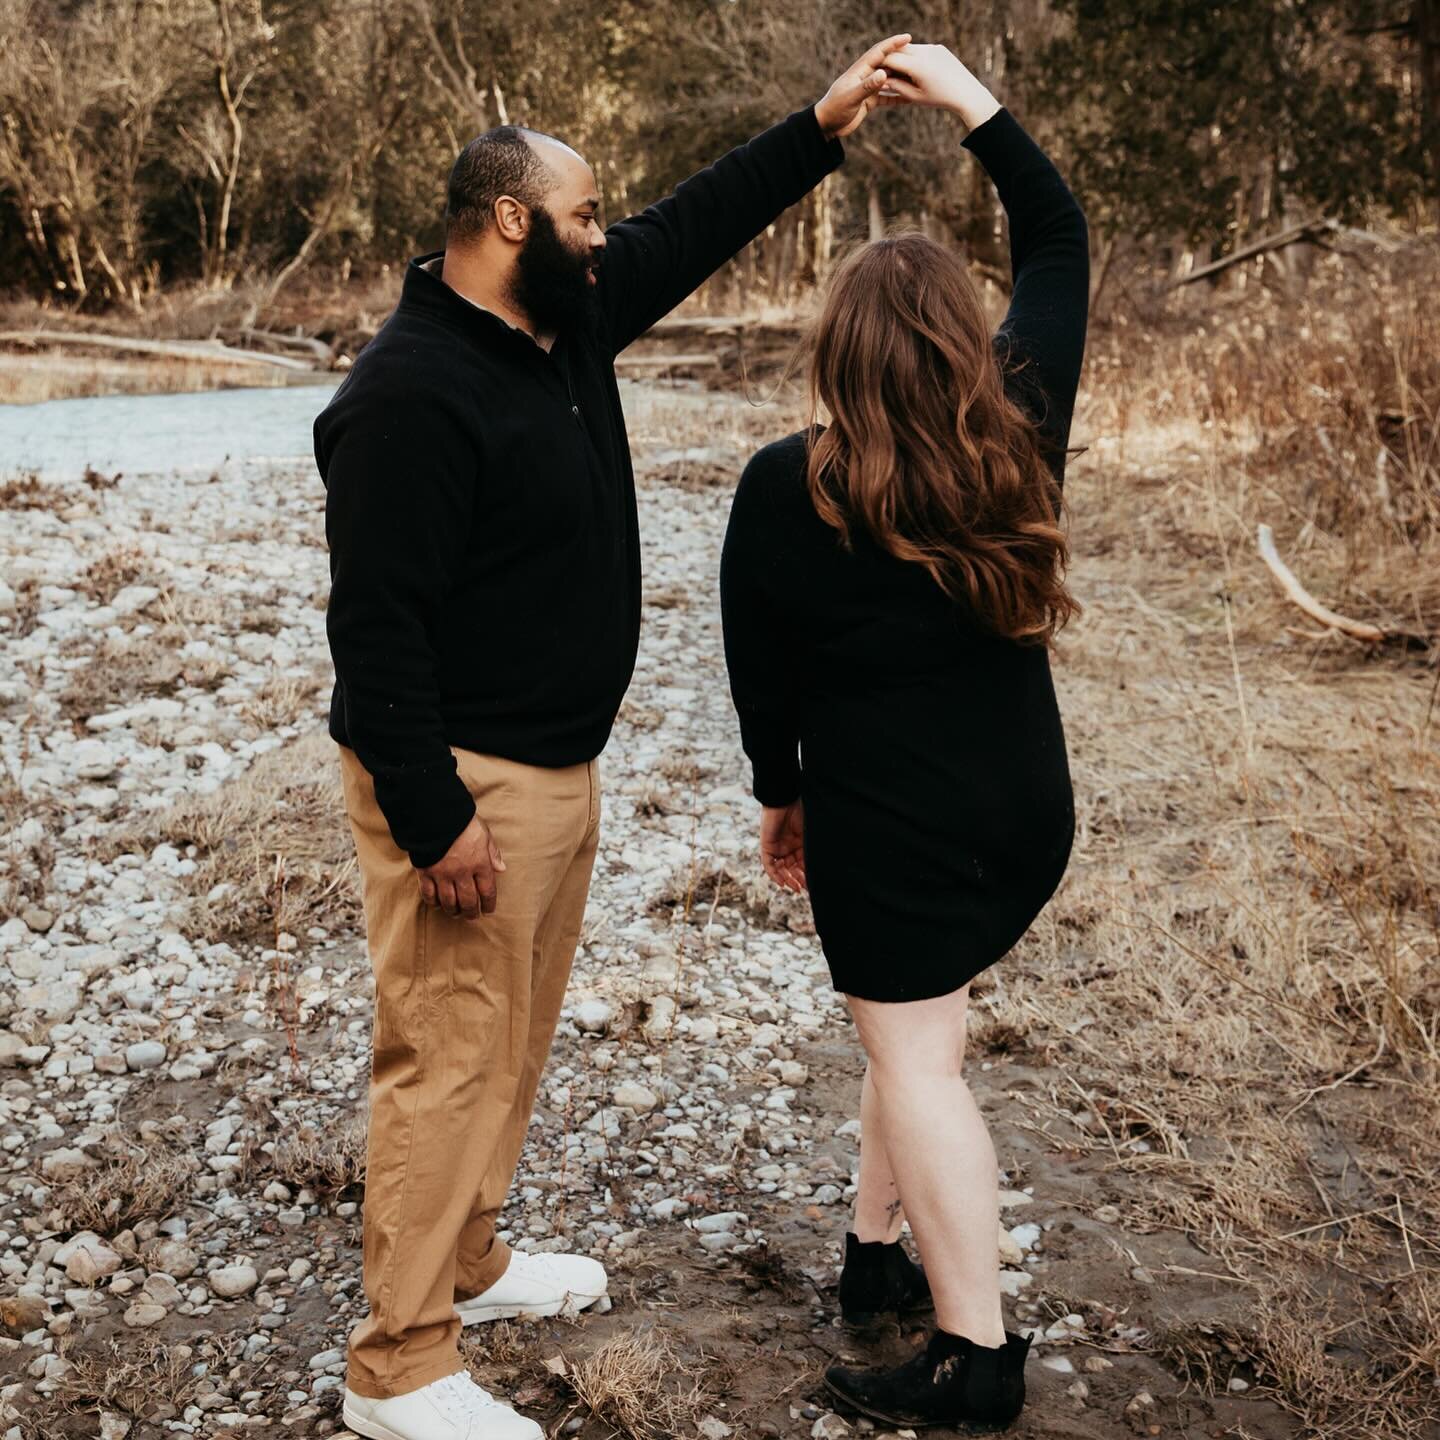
pixel 184 1025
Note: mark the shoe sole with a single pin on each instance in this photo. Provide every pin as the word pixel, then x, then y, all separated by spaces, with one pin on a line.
pixel 569 1302
pixel 969 1427
pixel 372 1429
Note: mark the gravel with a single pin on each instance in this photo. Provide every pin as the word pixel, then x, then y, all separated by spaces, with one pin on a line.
pixel 136 1041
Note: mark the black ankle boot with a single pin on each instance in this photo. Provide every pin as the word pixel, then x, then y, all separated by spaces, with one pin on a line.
pixel 952 1382
pixel 880 1279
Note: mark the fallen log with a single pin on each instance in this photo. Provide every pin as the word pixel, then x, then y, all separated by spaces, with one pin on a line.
pixel 1301 597
pixel 663 361
pixel 277 340
pixel 1295 233
pixel 207 350
pixel 703 324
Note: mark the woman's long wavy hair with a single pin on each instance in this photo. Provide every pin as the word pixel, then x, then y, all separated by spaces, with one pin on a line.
pixel 925 449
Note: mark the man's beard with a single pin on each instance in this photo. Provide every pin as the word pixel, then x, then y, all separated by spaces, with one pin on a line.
pixel 550 282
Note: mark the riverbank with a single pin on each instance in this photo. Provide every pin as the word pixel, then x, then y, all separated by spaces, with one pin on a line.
pixel 1210 1067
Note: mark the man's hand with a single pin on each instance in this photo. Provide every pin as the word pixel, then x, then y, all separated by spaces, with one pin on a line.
pixel 857 92
pixel 782 844
pixel 932 75
pixel 462 881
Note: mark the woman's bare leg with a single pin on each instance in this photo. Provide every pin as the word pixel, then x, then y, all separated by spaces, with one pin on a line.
pixel 878 1212
pixel 941 1154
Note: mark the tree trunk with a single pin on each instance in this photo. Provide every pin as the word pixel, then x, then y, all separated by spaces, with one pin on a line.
pixel 1427 35
pixel 877 217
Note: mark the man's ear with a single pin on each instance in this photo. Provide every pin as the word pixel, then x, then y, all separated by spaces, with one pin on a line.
pixel 512 218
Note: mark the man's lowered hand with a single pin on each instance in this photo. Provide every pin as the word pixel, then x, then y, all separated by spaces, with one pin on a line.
pixel 462 881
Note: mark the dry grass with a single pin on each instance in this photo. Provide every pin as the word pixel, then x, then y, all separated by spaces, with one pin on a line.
pixel 287 807
pixel 284 700
pixel 331 1162
pixel 29 492
pixel 119 672
pixel 135 1182
pixel 1323 413
pixel 117 567
pixel 640 1385
pixel 141 1376
pixel 512 1346
pixel 692 897
pixel 1237 989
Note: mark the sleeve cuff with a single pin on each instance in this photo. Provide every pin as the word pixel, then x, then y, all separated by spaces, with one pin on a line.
pixel 776 780
pixel 829 154
pixel 426 810
pixel 993 136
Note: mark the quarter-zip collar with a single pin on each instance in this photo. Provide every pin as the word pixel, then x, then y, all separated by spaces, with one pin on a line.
pixel 425 291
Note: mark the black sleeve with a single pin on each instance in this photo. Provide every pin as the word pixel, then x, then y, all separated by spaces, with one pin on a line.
pixel 1045 324
pixel 753 584
pixel 400 486
pixel 655 259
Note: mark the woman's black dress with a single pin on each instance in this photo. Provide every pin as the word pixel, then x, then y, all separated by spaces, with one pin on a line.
pixel 938 809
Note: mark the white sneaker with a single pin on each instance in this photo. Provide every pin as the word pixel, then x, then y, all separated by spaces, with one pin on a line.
pixel 452 1408
pixel 537 1285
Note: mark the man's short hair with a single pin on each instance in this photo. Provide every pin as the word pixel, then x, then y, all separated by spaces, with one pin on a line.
pixel 500 162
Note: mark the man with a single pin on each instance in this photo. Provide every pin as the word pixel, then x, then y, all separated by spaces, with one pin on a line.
pixel 484 620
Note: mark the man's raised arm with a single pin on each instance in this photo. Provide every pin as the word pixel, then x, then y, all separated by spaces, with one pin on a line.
pixel 653 260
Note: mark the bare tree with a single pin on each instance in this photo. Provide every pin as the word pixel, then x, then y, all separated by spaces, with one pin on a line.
pixel 78 104
pixel 236 45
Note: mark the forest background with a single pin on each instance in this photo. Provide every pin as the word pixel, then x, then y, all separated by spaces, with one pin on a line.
pixel 236 144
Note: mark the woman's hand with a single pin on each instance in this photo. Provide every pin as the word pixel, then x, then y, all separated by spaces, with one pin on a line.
pixel 931 75
pixel 782 844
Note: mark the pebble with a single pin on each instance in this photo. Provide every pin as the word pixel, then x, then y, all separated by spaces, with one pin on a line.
pixel 1026 1236
pixel 593 1016
pixel 65 1163
pixel 144 1055
pixel 725 1220
pixel 39 919
pixel 1011 1252
pixel 88 1263
pixel 233 1281
pixel 173 1258
pixel 1012 1282
pixel 631 1095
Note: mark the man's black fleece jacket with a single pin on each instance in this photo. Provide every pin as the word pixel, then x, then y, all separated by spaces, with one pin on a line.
pixel 480 512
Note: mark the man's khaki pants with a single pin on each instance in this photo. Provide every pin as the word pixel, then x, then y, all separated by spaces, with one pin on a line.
pixel 465 1011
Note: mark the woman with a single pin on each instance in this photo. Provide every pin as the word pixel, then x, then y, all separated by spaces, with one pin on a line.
pixel 890 584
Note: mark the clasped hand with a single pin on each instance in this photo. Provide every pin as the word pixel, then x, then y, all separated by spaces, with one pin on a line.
pixel 898 72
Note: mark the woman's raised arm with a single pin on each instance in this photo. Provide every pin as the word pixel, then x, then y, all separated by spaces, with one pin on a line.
pixel 1049 243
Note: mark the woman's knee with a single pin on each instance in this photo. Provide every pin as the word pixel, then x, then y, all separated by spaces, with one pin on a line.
pixel 918 1037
